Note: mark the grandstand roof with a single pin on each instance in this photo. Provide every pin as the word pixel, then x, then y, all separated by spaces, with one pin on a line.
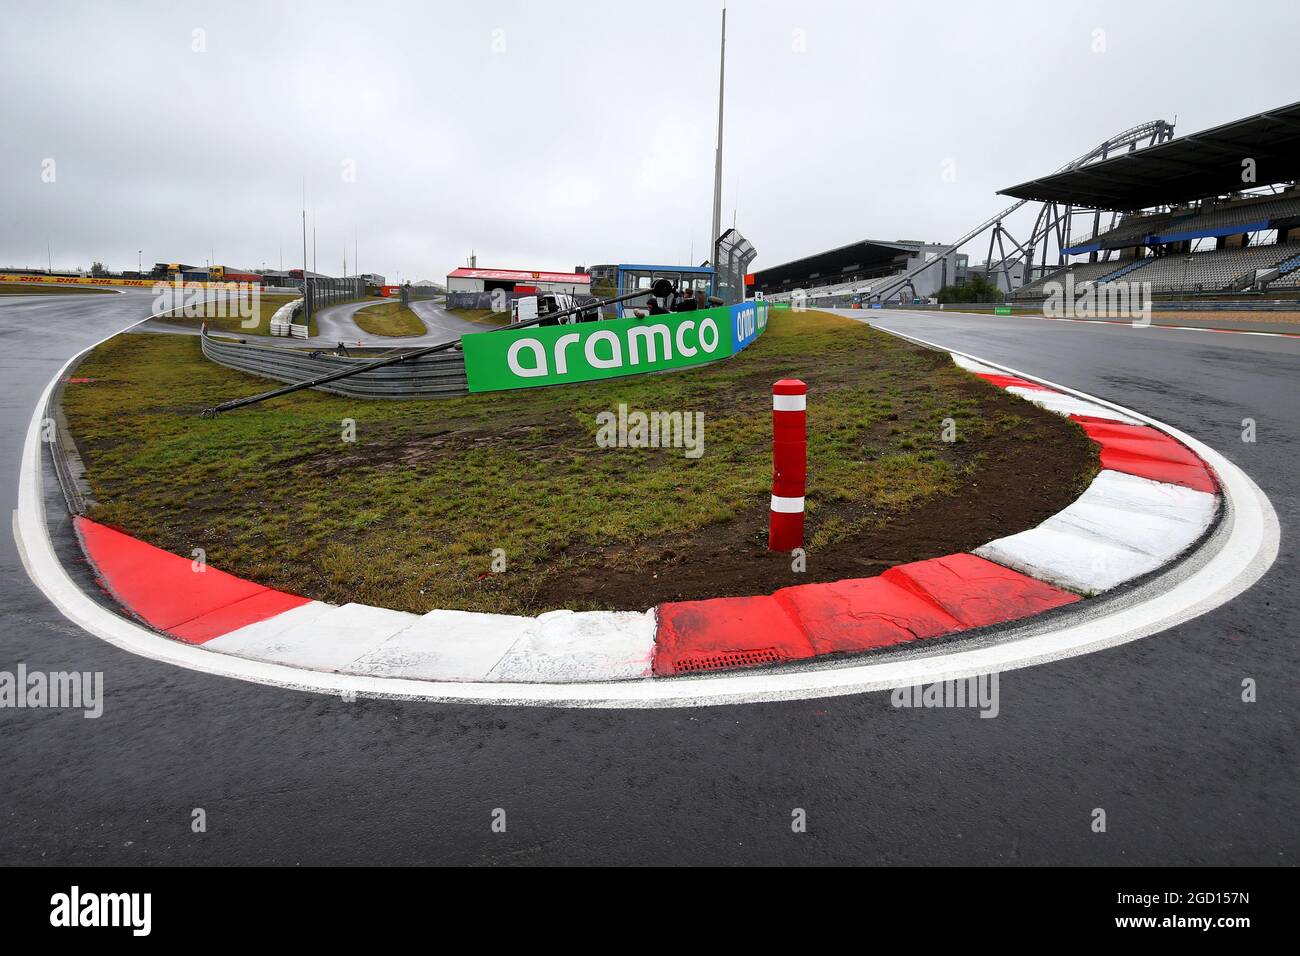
pixel 1189 167
pixel 865 254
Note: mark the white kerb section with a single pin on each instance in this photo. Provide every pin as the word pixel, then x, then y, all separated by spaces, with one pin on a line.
pixel 1122 527
pixel 1053 401
pixel 326 638
pixel 451 645
pixel 971 365
pixel 581 646
pixel 1064 404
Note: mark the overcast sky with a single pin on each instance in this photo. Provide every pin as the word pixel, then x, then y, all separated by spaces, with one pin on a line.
pixel 546 135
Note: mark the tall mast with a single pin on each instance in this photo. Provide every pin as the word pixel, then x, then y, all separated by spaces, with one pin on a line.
pixel 717 163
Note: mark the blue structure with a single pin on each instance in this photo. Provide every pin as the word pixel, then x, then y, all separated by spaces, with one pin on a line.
pixel 608 281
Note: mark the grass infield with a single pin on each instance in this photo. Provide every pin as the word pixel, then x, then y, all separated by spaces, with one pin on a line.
pixel 408 515
pixel 484 317
pixel 388 318
pixel 266 307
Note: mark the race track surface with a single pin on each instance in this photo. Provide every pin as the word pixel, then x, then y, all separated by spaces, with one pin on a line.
pixel 336 324
pixel 1154 732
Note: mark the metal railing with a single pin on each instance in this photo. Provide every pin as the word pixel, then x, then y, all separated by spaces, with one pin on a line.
pixel 387 376
pixel 323 291
pixel 439 375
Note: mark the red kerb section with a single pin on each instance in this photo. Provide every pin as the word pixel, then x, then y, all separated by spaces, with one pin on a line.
pixel 165 591
pixel 911 602
pixel 1009 381
pixel 1148 453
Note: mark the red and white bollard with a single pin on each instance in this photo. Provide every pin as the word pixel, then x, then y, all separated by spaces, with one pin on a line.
pixel 789 464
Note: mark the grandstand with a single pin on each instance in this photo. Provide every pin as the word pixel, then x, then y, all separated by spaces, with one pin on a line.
pixel 1083 272
pixel 1130 229
pixel 1211 219
pixel 1216 271
pixel 1288 275
pixel 856 270
pixel 1183 219
pixel 1206 214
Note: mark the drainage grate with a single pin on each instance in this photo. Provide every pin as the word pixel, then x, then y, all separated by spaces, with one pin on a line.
pixel 726 659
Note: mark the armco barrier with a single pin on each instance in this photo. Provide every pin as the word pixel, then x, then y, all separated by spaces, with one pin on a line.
pixel 514 358
pixel 432 376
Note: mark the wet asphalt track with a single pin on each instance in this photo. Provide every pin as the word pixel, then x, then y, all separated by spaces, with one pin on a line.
pixel 1154 732
pixel 336 324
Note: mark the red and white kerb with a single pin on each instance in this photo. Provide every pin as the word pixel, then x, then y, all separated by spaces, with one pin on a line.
pixel 789 464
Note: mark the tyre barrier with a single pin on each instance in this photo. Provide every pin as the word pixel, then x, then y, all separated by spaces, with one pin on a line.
pixel 282 322
pixel 441 375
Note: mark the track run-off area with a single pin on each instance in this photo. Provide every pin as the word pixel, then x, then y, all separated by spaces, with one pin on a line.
pixel 1153 731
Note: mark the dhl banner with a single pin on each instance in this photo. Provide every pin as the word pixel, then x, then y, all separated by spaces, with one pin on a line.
pixel 91 280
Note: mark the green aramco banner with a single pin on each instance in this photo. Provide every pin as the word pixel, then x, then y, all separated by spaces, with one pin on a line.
pixel 588 351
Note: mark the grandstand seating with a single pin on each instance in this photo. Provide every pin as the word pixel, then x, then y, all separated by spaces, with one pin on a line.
pixel 1083 272
pixel 1241 212
pixel 1213 271
pixel 1289 277
pixel 833 289
pixel 1288 281
pixel 1130 229
pixel 1130 266
pixel 841 288
pixel 1237 212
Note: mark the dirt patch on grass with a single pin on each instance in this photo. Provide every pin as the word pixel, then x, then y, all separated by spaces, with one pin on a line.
pixel 1017 483
pixel 410 514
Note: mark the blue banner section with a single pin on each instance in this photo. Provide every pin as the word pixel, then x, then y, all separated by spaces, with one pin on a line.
pixel 748 320
pixel 1240 227
pixel 1079 250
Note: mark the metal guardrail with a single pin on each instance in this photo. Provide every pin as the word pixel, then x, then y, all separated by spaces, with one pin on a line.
pixel 427 375
pixel 440 375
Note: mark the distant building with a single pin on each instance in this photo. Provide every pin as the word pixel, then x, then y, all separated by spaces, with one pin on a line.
pixel 471 279
pixel 865 270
